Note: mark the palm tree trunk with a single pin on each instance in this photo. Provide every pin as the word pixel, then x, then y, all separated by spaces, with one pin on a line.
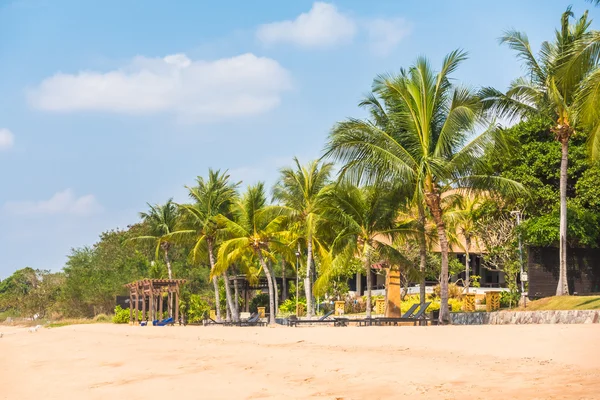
pixel 307 280
pixel 275 289
pixel 211 259
pixel 168 262
pixel 434 204
pixel 368 272
pixel 228 297
pixel 265 268
pixel 467 281
pixel 236 294
pixel 422 255
pixel 563 285
pixel 283 282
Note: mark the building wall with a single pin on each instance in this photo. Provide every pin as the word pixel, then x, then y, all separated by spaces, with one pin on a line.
pixel 543 266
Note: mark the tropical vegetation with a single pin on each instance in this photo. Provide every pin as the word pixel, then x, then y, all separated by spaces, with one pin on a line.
pixel 429 172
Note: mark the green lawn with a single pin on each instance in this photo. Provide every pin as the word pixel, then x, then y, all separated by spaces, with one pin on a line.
pixel 565 303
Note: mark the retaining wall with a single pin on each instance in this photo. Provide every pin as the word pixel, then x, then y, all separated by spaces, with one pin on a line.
pixel 527 317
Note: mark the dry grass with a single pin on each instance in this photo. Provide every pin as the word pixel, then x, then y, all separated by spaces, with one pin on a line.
pixel 564 303
pixel 26 322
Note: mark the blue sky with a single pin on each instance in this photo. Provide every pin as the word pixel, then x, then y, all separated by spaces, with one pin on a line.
pixel 105 106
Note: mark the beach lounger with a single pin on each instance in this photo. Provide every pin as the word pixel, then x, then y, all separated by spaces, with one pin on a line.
pixel 254 320
pixel 406 317
pixel 164 322
pixel 359 321
pixel 210 321
pixel 295 321
pixel 419 316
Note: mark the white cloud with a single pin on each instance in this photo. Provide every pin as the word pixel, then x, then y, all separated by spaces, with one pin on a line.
pixel 385 34
pixel 195 90
pixel 7 139
pixel 64 202
pixel 322 26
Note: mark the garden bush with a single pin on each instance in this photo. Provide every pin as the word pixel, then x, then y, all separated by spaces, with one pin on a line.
pixel 454 291
pixel 121 315
pixel 509 299
pixel 289 306
pixel 196 308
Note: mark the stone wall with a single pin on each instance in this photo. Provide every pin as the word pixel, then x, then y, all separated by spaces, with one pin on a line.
pixel 527 317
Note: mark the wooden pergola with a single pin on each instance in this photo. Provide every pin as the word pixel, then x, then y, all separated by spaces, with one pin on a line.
pixel 151 292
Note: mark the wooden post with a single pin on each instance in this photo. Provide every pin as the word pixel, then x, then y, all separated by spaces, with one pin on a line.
pixel 160 305
pixel 130 306
pixel 137 301
pixel 151 304
pixel 143 305
pixel 469 302
pixel 177 303
pixel 380 306
pixel 393 293
pixel 246 302
pixel 339 307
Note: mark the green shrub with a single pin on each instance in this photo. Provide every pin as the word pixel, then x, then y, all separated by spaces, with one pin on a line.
pixel 454 291
pixel 289 306
pixel 196 308
pixel 121 315
pixel 509 299
pixel 455 304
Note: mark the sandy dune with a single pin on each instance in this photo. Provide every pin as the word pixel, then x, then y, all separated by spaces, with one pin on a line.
pixel 467 362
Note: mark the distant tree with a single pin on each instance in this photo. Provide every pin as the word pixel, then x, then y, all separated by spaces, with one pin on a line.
pixel 211 197
pixel 95 275
pixel 254 230
pixel 301 191
pixel 435 149
pixel 499 236
pixel 461 217
pixel 366 219
pixel 561 86
pixel 161 221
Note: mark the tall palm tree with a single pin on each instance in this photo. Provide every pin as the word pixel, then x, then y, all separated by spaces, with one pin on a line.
pixel 366 221
pixel 561 85
pixel 383 117
pixel 301 192
pixel 430 150
pixel 161 220
pixel 254 230
pixel 211 197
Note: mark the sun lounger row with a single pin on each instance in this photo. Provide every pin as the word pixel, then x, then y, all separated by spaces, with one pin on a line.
pixel 254 320
pixel 411 316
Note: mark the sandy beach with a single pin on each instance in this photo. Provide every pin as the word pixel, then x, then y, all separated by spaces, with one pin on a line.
pixel 106 361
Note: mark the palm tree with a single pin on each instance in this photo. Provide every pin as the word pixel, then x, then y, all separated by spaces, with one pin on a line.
pixel 301 191
pixel 561 86
pixel 254 231
pixel 161 220
pixel 383 117
pixel 366 221
pixel 461 218
pixel 211 197
pixel 429 151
